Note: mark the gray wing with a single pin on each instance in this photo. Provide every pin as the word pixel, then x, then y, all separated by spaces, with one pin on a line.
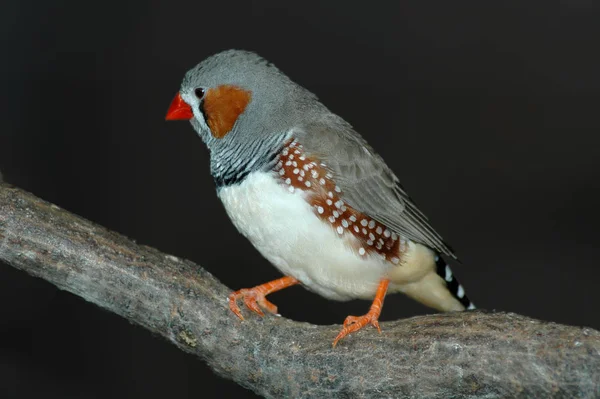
pixel 367 183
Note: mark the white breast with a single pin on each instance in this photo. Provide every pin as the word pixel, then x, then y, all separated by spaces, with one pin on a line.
pixel 285 230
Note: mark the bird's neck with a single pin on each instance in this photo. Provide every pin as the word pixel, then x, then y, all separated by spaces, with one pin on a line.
pixel 231 163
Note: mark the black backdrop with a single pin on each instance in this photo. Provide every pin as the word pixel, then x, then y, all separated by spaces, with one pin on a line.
pixel 488 112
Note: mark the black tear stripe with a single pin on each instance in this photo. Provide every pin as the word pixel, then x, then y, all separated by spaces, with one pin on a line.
pixel 444 271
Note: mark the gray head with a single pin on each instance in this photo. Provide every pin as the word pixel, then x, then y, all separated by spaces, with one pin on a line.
pixel 243 108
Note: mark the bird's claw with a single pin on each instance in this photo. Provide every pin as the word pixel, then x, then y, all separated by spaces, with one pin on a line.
pixel 355 323
pixel 254 299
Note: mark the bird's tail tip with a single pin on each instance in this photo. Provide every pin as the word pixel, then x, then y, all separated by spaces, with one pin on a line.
pixel 455 288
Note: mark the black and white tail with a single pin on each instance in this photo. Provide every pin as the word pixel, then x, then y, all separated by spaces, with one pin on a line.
pixel 455 288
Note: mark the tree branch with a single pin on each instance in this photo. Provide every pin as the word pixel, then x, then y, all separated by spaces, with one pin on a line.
pixel 470 354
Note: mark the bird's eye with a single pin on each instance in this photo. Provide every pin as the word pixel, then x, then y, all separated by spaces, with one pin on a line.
pixel 199 92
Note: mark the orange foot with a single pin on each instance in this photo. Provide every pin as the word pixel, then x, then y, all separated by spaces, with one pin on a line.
pixel 355 323
pixel 254 298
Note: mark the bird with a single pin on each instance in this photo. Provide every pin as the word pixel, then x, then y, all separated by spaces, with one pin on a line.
pixel 310 194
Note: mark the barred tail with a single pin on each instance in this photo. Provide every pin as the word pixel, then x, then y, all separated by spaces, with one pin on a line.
pixel 457 290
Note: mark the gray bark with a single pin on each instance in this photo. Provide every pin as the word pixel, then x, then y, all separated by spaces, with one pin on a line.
pixel 456 355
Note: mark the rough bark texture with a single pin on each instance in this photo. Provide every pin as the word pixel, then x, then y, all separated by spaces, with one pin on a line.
pixel 458 355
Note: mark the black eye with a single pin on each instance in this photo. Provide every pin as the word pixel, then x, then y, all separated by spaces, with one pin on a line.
pixel 199 92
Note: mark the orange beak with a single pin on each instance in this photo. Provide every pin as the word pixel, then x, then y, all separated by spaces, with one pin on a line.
pixel 179 110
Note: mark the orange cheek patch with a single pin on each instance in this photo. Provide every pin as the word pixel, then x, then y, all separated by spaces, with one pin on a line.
pixel 222 107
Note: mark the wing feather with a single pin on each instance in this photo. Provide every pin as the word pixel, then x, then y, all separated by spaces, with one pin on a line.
pixel 367 183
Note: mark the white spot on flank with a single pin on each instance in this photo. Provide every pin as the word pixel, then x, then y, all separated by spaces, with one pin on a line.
pixel 305 167
pixel 288 163
pixel 295 163
pixel 448 276
pixel 364 231
pixel 369 242
pixel 330 194
pixel 322 181
pixel 291 156
pixel 285 151
pixel 344 223
pixel 386 233
pixel 281 172
pixel 352 218
pixel 314 174
pixel 331 219
pixel 371 236
pixel 394 236
pixel 403 243
pixel 307 183
pixel 461 291
pixel 296 171
pixel 364 222
pixel 337 189
pixel 395 260
pixel 378 230
pixel 320 210
pixel 361 251
pixel 288 181
pixel 296 152
pixel 329 202
pixel 291 189
pixel 336 214
pixel 356 229
pixel 340 230
pixel 300 178
pixel 302 173
pixel 371 224
pixel 302 157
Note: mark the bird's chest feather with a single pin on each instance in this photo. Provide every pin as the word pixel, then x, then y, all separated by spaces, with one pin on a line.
pixel 295 217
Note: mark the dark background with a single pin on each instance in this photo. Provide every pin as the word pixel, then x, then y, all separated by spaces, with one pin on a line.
pixel 488 112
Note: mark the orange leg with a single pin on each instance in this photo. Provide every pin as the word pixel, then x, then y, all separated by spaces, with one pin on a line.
pixel 354 323
pixel 253 297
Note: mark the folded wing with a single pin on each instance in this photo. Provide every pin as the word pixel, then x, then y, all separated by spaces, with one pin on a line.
pixel 367 183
